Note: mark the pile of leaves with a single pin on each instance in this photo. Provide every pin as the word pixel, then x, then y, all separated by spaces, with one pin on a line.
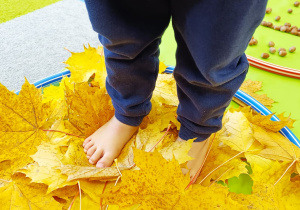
pixel 43 166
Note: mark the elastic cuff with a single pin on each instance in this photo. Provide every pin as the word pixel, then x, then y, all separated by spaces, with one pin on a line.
pixel 186 134
pixel 133 121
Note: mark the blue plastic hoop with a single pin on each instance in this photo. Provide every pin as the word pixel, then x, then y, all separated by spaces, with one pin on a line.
pixel 244 97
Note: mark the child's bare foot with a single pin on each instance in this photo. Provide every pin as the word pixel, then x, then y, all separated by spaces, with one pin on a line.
pixel 198 152
pixel 103 146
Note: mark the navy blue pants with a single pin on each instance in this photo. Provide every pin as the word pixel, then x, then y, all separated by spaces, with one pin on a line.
pixel 211 65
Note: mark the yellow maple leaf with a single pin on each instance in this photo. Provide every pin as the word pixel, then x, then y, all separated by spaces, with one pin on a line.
pixel 165 90
pixel 19 193
pixel 22 121
pixel 262 197
pixel 218 154
pixel 251 87
pixel 265 170
pixel 265 121
pixel 153 186
pixel 277 147
pixel 238 133
pixel 5 170
pixel 161 114
pixel 83 65
pixel 289 194
pixel 88 109
pixel 63 195
pixel 289 121
pixel 57 92
pixel 45 169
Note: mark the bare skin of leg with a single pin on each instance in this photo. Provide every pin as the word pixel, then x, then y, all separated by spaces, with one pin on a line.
pixel 105 144
pixel 198 152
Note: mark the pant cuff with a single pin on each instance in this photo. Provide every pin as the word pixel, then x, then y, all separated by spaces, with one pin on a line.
pixel 132 121
pixel 187 134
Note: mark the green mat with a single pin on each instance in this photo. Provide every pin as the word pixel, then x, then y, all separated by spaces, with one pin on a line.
pixel 11 9
pixel 284 90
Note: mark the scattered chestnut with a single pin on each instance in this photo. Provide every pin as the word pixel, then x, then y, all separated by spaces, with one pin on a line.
pixel 294 32
pixel 282 53
pixel 276 28
pixel 283 28
pixel 265 55
pixel 277 18
pixel 272 50
pixel 271 44
pixel 281 49
pixel 264 23
pixel 254 41
pixel 269 10
pixel 292 49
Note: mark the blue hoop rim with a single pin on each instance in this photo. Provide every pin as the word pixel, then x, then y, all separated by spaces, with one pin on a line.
pixel 244 97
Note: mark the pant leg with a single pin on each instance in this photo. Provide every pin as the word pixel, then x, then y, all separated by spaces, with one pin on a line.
pixel 130 32
pixel 212 36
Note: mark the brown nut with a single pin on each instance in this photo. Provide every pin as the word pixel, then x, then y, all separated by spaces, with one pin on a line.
pixel 288 29
pixel 292 49
pixel 272 50
pixel 251 42
pixel 288 24
pixel 298 33
pixel 283 28
pixel 269 10
pixel 296 4
pixel 265 55
pixel 270 24
pixel 271 44
pixel 277 18
pixel 254 41
pixel 276 28
pixel 294 32
pixel 281 49
pixel 290 10
pixel 282 53
pixel 263 23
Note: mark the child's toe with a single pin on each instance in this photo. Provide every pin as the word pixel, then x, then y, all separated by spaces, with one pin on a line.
pixel 91 151
pixel 96 156
pixel 88 146
pixel 87 140
pixel 106 160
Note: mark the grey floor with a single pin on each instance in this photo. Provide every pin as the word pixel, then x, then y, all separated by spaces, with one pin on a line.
pixel 32 45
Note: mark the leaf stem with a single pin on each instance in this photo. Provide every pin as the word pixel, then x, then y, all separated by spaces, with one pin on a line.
pixel 102 193
pixel 69 134
pixel 285 172
pixel 79 193
pixel 161 138
pixel 70 207
pixel 220 166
